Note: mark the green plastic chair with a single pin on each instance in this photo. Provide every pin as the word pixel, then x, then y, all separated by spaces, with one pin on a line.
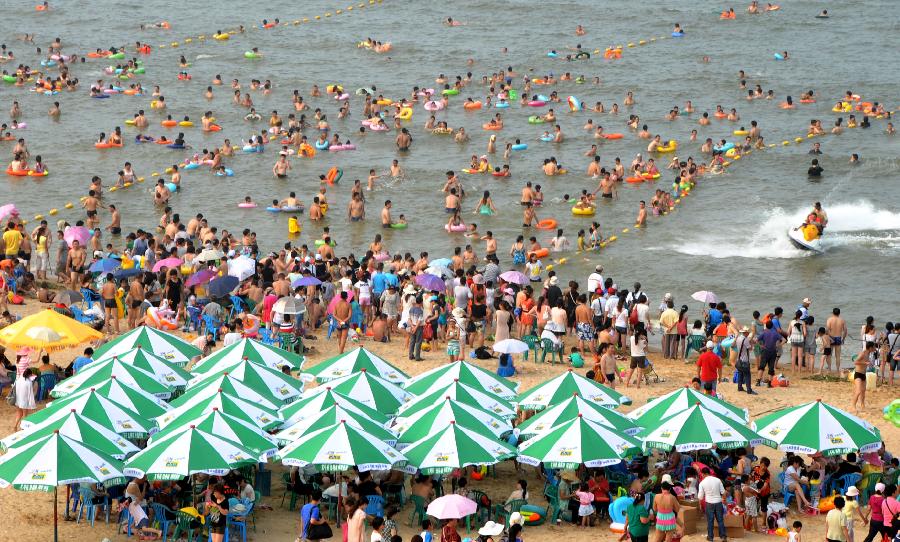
pixel 505 510
pixel 183 527
pixel 482 511
pixel 551 493
pixel 288 490
pixel 256 502
pixel 548 346
pixel 533 342
pixel 418 509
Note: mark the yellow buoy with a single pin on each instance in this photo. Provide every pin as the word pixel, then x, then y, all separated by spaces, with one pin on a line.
pixel 771 145
pixel 611 239
pixel 318 17
pixel 631 45
pixel 39 217
pixel 785 143
pixel 642 42
pixel 678 200
pixel 113 188
pixel 154 174
pixel 652 39
pixel 625 230
pixel 296 22
pixel 349 8
pixel 810 135
pixel 799 139
pixel 169 170
pixel 337 12
pixel 82 198
pixel 550 267
pixel 603 245
pixel 563 260
pixel 53 212
pixel 140 179
pixel 174 44
pixel 69 205
pixel 306 19
pixel 328 14
pixel 162 46
pixel 188 40
pixel 201 37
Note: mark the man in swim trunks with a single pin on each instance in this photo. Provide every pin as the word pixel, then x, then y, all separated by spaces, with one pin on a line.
pixel 584 326
pixel 110 308
pixel 642 215
pixel 451 202
pixel 836 328
pixel 135 300
pixel 356 210
pixel 115 226
pixel 281 167
pixel 342 315
pixel 404 140
pixel 76 259
pixel 90 204
pixel 528 194
pixel 386 214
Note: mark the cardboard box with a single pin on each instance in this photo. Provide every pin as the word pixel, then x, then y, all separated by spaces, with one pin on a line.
pixel 734 525
pixel 735 532
pixel 688 517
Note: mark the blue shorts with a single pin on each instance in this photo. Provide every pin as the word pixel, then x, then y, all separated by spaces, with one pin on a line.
pixel 837 341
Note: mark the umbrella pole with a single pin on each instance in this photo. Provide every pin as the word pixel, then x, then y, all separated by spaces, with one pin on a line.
pixel 55 513
pixel 337 514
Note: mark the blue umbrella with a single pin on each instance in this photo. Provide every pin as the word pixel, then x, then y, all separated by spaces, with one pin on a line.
pixel 106 265
pixel 430 282
pixel 222 286
pixel 441 262
pixel 308 280
pixel 126 273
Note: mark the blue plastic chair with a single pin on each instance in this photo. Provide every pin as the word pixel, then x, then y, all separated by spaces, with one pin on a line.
pixel 193 318
pixel 46 385
pixel 124 518
pixel 788 494
pixel 237 522
pixel 212 326
pixel 846 481
pixel 376 506
pixel 88 509
pixel 267 337
pixel 237 307
pixel 79 316
pixel 73 500
pixel 161 513
pixel 89 296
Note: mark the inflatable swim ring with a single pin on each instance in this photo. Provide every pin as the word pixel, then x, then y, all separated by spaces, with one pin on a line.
pixel 541 253
pixel 534 119
pixel 334 175
pixel 583 211
pixel 670 147
pixel 613 136
pixel 399 225
pixel 450 92
pixel 251 54
pixel 472 105
pixel 247 205
pixel 546 224
pixel 457 228
pixel 433 106
pixel 574 103
pixel 519 147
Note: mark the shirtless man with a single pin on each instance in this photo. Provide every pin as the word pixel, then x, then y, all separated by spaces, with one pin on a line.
pixel 135 299
pixel 281 167
pixel 140 121
pixel 656 142
pixel 356 210
pixel 90 204
pixel 161 193
pixel 836 328
pixel 110 308
pixel 75 263
pixel 404 140
pixel 550 168
pixel 396 170
pixel 594 167
pixel 315 210
pixel 642 215
pixel 529 217
pixel 54 111
pixel 527 194
pixel 608 188
pixel 490 245
pixel 193 226
pixel 584 326
pixel 451 202
pixel 386 214
pixel 291 201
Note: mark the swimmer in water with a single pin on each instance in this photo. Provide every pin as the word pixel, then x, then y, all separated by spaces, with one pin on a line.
pixel 580 31
pixel 823 15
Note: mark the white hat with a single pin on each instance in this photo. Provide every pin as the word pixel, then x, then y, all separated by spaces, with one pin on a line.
pixel 667 479
pixel 410 289
pixel 491 529
pixel 554 280
pixel 599 268
pixel 852 492
pixel 668 296
pixel 879 486
pixel 709 344
pixel 516 519
pixel 806 301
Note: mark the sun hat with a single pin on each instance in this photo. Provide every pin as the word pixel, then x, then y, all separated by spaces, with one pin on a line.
pixel 710 344
pixel 491 529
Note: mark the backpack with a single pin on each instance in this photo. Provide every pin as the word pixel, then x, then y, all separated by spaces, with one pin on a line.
pixel 482 353
pixel 633 317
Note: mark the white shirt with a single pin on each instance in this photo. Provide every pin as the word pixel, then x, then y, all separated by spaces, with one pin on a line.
pixel 711 490
pixel 231 338
pixel 248 494
pixel 610 306
pixel 346 284
pixel 595 280
pixel 597 306
pixel 462 294
pixel 533 269
pixel 332 490
pixel 643 311
pixel 364 289
pixel 638 348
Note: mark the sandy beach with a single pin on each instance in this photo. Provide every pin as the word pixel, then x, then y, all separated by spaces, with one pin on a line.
pixel 29 515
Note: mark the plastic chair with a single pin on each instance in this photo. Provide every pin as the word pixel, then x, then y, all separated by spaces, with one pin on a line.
pixel 418 509
pixel 288 490
pixel 161 513
pixel 483 510
pixel 267 337
pixel 532 341
pixel 549 346
pixel 124 519
pixel 237 306
pixel 79 316
pixel 73 500
pixel 788 494
pixel 376 506
pixel 332 509
pixel 505 510
pixel 394 492
pixel 551 493
pixel 89 296
pixel 183 529
pixel 86 507
pixel 868 485
pixel 193 318
pixel 46 385
pixel 237 522
pixel 846 482
pixel 212 325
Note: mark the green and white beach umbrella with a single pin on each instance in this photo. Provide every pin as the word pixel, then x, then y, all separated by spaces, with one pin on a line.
pixel 578 442
pixel 134 399
pixel 268 355
pixel 99 372
pixel 454 447
pixel 370 390
pixel 191 451
pixel 98 408
pixel 258 376
pixel 55 460
pixel 572 408
pixel 265 418
pixel 310 407
pixel 254 392
pixel 818 427
pixel 464 394
pixel 165 371
pixel 165 345
pixel 216 422
pixel 467 373
pixel 425 422
pixel 330 416
pixel 560 388
pixel 352 362
pixel 78 428
pixel 683 399
pixel 339 447
pixel 699 428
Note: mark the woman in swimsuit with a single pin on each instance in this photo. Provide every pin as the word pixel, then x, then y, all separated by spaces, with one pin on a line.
pixel 666 506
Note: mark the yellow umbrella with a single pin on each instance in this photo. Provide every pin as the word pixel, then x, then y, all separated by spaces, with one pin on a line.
pixel 48 330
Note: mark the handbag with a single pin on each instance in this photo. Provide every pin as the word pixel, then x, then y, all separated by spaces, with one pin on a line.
pixel 319 531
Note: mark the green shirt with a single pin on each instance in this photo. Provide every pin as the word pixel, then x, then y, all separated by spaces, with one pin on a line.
pixel 576 360
pixel 635 513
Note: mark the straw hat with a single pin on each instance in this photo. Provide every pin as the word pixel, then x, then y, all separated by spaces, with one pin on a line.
pixel 569 476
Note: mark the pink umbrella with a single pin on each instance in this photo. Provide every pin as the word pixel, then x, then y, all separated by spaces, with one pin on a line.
pixel 515 277
pixel 336 298
pixel 77 233
pixel 200 277
pixel 170 263
pixel 8 210
pixel 452 507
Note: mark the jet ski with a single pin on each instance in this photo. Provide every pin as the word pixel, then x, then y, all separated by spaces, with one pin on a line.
pixel 799 240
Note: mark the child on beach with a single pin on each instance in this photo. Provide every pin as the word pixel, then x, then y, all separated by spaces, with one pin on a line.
pixel 585 506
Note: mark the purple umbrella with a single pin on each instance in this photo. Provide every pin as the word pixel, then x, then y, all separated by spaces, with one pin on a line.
pixel 308 280
pixel 514 277
pixel 430 282
pixel 200 277
pixel 222 286
pixel 77 233
pixel 170 263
